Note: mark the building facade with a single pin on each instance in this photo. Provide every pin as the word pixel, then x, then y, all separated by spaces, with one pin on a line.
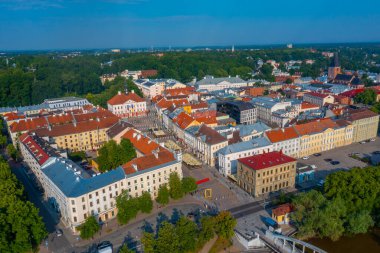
pixel 266 173
pixel 127 105
pixel 242 112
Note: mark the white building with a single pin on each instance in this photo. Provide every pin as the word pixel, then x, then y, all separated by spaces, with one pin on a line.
pixel 266 106
pixel 210 83
pixel 65 103
pixel 286 140
pixel 127 105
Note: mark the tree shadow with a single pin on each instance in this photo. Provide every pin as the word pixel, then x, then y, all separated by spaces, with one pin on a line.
pixel 147 227
pixel 176 215
pixel 161 217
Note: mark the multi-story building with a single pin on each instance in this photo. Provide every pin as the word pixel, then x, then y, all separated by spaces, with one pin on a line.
pixel 319 99
pixel 79 136
pixel 334 68
pixel 76 195
pixel 65 103
pixel 285 140
pixel 323 135
pixel 127 105
pixel 155 87
pixel 266 106
pixel 210 83
pixel 228 156
pixel 242 112
pixel 265 173
pixel 365 123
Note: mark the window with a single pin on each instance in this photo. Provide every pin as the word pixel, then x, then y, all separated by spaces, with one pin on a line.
pixel 84 207
pixel 82 199
pixel 97 201
pixel 72 202
pixel 97 194
pixel 74 210
pixel 75 219
pixel 90 203
pixel 104 191
pixel 110 195
pixel 85 216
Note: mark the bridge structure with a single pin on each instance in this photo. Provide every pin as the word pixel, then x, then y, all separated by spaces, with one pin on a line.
pixel 287 244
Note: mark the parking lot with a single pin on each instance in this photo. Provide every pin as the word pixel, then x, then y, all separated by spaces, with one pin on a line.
pixel 342 156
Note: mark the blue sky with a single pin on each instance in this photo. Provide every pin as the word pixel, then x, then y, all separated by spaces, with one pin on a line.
pixel 61 24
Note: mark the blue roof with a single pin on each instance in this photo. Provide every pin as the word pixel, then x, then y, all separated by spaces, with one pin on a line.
pixel 61 172
pixel 266 102
pixel 245 146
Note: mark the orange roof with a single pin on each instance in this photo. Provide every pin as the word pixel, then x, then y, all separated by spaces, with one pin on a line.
pixel 28 124
pixel 13 116
pixel 200 105
pixel 183 120
pixel 316 126
pixel 164 104
pixel 207 120
pixel 148 161
pixel 156 98
pixel 282 209
pixel 121 98
pixel 307 105
pixel 179 91
pixel 142 143
pixel 283 134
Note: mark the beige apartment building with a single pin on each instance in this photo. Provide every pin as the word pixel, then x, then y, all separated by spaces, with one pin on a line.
pixel 364 121
pixel 265 173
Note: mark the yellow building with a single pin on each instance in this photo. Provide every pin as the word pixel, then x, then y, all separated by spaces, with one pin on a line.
pixel 265 173
pixel 365 123
pixel 81 136
pixel 281 214
pixel 322 135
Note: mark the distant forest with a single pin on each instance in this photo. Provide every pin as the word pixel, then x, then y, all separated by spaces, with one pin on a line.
pixel 27 79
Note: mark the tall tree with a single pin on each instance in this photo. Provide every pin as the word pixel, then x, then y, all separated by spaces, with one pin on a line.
pixel 187 231
pixel 175 186
pixel 163 195
pixel 145 202
pixel 189 184
pixel 167 239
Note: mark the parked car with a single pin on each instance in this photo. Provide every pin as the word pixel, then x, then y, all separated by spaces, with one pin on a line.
pixel 58 232
pixel 317 154
pixel 377 152
pixel 362 142
pixel 306 157
pixel 328 160
pixel 335 162
pixel 373 139
pixel 105 247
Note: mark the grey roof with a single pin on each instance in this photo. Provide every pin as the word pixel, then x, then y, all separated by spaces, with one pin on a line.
pixel 245 146
pixel 211 80
pixel 63 99
pixel 248 129
pixel 266 102
pixel 61 172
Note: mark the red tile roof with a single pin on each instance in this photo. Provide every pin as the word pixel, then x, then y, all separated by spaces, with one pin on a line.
pixel 148 161
pixel 121 98
pixel 39 154
pixel 352 93
pixel 13 116
pixel 179 91
pixel 316 94
pixel 307 105
pixel 148 73
pixel 79 127
pixel 278 135
pixel 164 104
pixel 266 160
pixel 142 143
pixel 183 120
pixel 283 209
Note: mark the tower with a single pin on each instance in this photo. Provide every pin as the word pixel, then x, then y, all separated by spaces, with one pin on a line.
pixel 334 68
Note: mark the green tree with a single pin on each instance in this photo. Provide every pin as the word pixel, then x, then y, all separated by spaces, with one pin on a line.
pixel 3 140
pixel 368 97
pixel 148 242
pixel 167 239
pixel 207 229
pixel 127 206
pixel 145 202
pixel 187 232
pixel 189 184
pixel 175 186
pixel 12 151
pixel 224 224
pixel 125 249
pixel 163 195
pixel 89 228
pixel 112 155
pixel 22 229
pixel 359 223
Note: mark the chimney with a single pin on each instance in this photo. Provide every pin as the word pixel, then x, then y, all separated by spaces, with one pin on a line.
pixel 134 166
pixel 133 91
pixel 119 92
